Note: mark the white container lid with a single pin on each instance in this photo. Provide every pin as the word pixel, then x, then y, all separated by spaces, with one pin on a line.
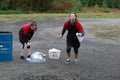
pixel 54 50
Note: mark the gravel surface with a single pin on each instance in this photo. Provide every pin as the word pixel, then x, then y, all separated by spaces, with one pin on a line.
pixel 99 59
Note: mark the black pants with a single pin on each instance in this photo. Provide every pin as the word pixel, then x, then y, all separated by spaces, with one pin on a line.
pixel 69 48
pixel 23 39
pixel 72 41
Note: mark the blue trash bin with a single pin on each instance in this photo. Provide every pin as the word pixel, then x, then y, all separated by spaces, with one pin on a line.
pixel 5 46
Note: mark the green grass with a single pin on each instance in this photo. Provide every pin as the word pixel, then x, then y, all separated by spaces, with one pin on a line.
pixel 56 15
pixel 31 16
pixel 11 11
pixel 100 15
pixel 105 32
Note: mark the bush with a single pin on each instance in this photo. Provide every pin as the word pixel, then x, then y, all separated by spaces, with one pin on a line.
pixel 76 5
pixel 66 6
pixel 4 4
pixel 105 10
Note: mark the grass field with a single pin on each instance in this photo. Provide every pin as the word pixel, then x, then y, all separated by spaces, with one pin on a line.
pixel 106 32
pixel 56 15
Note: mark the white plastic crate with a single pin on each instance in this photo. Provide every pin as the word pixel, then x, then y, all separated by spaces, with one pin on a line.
pixel 54 53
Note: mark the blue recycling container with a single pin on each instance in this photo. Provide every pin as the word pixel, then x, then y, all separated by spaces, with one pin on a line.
pixel 5 46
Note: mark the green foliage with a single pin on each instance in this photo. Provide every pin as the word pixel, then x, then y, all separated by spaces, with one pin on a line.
pixel 85 3
pixel 66 6
pixel 113 3
pixel 96 6
pixel 32 6
pixel 4 4
pixel 61 6
pixel 76 5
pixel 105 4
pixel 117 4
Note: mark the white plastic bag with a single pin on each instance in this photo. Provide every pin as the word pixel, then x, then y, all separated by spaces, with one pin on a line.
pixel 36 57
pixel 80 38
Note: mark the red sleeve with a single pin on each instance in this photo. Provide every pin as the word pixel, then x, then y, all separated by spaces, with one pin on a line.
pixel 66 24
pixel 79 27
pixel 26 28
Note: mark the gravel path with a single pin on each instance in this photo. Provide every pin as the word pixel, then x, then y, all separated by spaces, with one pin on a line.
pixel 98 59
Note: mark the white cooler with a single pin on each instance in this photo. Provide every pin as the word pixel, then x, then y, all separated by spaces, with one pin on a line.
pixel 54 53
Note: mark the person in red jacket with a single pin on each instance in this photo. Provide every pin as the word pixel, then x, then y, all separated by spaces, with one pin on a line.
pixel 73 26
pixel 25 34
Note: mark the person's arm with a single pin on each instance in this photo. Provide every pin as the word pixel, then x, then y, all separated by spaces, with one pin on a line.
pixel 63 31
pixel 80 28
pixel 82 32
pixel 64 28
pixel 30 34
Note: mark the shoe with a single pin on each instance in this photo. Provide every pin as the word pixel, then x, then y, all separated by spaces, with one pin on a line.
pixel 76 61
pixel 29 56
pixel 22 57
pixel 68 60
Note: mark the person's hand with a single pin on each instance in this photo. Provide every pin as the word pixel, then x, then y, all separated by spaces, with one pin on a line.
pixel 28 43
pixel 79 34
pixel 60 36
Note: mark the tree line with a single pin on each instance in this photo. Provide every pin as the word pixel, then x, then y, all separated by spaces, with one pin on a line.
pixel 55 5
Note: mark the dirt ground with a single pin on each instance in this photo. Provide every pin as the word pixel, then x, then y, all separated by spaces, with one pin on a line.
pixel 99 59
